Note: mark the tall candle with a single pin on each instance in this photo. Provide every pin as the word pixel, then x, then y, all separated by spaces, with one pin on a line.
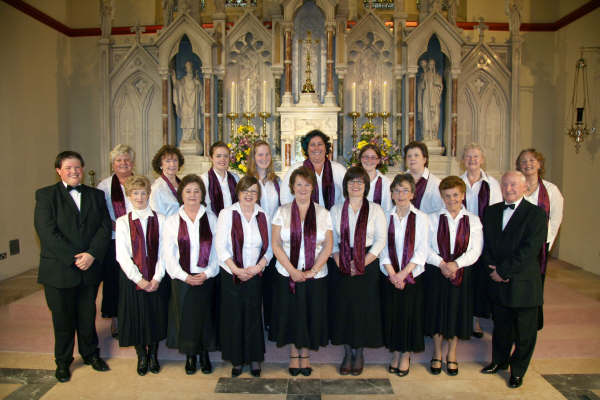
pixel 264 96
pixel 370 109
pixel 353 97
pixel 232 100
pixel 248 95
pixel 384 94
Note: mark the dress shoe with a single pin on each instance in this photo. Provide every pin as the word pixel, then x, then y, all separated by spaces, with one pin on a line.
pixel 62 372
pixel 392 370
pixel 492 368
pixel 205 364
pixel 236 371
pixel 142 365
pixel 346 365
pixel 357 365
pixel 515 381
pixel 255 372
pixel 477 334
pixel 435 370
pixel 305 371
pixel 190 364
pixel 403 372
pixel 96 362
pixel 153 364
pixel 451 371
pixel 294 371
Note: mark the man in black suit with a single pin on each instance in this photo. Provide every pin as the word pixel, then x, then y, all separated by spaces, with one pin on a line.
pixel 74 228
pixel 514 231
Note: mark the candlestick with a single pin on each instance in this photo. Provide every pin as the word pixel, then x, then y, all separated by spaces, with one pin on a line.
pixel 353 96
pixel 264 96
pixel 384 94
pixel 232 100
pixel 370 108
pixel 248 115
pixel 384 116
pixel 232 117
pixel 354 115
pixel 370 115
pixel 264 116
pixel 248 95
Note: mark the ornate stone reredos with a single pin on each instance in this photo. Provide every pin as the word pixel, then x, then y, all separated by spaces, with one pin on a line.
pixel 169 38
pixel 483 58
pixel 291 6
pixel 450 39
pixel 137 61
pixel 249 23
pixel 370 23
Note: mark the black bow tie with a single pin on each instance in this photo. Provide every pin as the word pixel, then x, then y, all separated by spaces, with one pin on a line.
pixel 511 206
pixel 78 188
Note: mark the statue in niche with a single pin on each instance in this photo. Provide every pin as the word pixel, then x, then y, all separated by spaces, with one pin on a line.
pixel 429 92
pixel 187 97
pixel 168 7
pixel 106 16
pixel 513 11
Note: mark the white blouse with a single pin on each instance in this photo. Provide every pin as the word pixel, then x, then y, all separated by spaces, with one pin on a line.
pixel 252 239
pixel 224 183
pixel 556 209
pixel 421 250
pixel 472 195
pixel 474 247
pixel 283 218
pixel 376 227
pixel 106 186
pixel 432 200
pixel 172 245
pixel 162 199
pixel 338 172
pixel 386 196
pixel 269 198
pixel 123 244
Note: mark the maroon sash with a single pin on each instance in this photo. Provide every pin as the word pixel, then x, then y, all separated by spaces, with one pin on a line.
pixel 544 202
pixel 237 238
pixel 117 198
pixel 170 185
pixel 310 238
pixel 328 185
pixel 276 183
pixel 483 199
pixel 144 251
pixel 215 193
pixel 357 253
pixel 378 190
pixel 419 192
pixel 460 243
pixel 408 249
pixel 183 242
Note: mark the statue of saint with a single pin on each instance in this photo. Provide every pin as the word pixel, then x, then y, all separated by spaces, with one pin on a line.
pixel 106 16
pixel 430 89
pixel 187 97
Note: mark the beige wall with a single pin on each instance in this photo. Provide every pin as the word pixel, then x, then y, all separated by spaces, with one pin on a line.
pixel 33 115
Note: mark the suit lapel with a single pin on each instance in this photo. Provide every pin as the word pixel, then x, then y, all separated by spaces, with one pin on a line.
pixel 67 199
pixel 516 219
pixel 85 202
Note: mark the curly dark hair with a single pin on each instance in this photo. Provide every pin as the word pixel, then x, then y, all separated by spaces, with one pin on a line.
pixel 164 151
pixel 538 156
pixel 309 136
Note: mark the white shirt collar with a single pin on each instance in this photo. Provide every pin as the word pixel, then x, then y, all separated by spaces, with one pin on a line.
pixel 516 203
pixel 425 174
pixel 412 209
pixel 141 214
pixel 484 176
pixel 460 214
pixel 236 206
pixel 199 215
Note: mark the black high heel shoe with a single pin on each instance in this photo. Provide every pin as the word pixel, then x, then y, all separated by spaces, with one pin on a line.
pixel 306 371
pixel 403 372
pixel 190 364
pixel 294 371
pixel 435 370
pixel 451 371
pixel 236 371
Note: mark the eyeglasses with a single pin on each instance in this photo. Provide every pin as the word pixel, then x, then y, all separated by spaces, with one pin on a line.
pixel 370 158
pixel 401 191
pixel 356 182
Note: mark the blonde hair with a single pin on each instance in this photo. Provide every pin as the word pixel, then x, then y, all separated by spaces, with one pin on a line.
pixel 251 163
pixel 122 149
pixel 136 182
pixel 472 146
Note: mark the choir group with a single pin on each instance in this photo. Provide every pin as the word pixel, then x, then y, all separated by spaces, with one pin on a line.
pixel 324 255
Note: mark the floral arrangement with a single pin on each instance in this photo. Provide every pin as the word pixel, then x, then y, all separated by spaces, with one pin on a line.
pixel 390 153
pixel 240 147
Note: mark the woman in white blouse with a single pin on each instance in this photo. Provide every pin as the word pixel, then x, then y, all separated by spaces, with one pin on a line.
pixel 402 262
pixel 455 242
pixel 193 266
pixel 122 160
pixel 139 250
pixel 359 233
pixel 379 191
pixel 482 190
pixel 243 248
pixel 302 240
pixel 260 166
pixel 416 160
pixel 545 195
pixel 218 180
pixel 166 163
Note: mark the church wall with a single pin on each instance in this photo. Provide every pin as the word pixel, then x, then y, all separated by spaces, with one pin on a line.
pixel 33 114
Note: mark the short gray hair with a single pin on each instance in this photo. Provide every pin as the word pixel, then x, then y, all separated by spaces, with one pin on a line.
pixel 121 149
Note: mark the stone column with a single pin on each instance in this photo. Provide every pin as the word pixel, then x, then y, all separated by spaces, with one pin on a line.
pixel 207 114
pixel 165 107
pixel 220 99
pixel 454 116
pixel 329 96
pixel 105 144
pixel 287 95
pixel 411 107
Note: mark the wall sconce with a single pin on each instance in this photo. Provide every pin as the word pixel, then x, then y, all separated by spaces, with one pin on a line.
pixel 580 106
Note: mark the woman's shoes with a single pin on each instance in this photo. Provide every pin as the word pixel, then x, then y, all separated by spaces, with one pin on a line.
pixel 403 372
pixel 357 364
pixel 435 370
pixel 451 371
pixel 477 334
pixel 236 371
pixel 306 371
pixel 392 370
pixel 346 365
pixel 190 364
pixel 205 364
pixel 294 371
pixel 142 365
pixel 255 369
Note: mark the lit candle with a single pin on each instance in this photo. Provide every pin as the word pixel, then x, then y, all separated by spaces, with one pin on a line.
pixel 384 94
pixel 264 96
pixel 248 95
pixel 353 97
pixel 232 104
pixel 370 108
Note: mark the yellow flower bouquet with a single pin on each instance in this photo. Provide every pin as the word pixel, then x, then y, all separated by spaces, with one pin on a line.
pixel 240 147
pixel 390 153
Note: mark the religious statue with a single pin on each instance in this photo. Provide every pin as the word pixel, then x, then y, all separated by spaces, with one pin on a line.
pixel 168 7
pixel 106 16
pixel 187 97
pixel 513 11
pixel 429 92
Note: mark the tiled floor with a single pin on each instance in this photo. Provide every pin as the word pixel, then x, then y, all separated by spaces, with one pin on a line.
pixel 566 362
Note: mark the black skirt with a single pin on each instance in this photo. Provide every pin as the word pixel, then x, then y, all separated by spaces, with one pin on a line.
pixel 402 312
pixel 192 317
pixel 448 308
pixel 241 327
pixel 301 318
pixel 355 309
pixel 142 315
pixel 110 282
pixel 482 306
pixel 268 281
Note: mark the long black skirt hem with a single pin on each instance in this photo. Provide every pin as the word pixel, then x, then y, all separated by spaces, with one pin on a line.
pixel 110 283
pixel 482 306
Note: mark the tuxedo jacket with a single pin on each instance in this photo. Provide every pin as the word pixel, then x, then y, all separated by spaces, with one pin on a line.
pixel 65 231
pixel 515 251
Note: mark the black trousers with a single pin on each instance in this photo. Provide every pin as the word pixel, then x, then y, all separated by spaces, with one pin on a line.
pixel 518 326
pixel 73 310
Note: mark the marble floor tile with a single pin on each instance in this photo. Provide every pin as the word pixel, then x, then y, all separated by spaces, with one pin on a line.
pixel 251 385
pixel 8 388
pixel 304 386
pixel 356 386
pixel 32 383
